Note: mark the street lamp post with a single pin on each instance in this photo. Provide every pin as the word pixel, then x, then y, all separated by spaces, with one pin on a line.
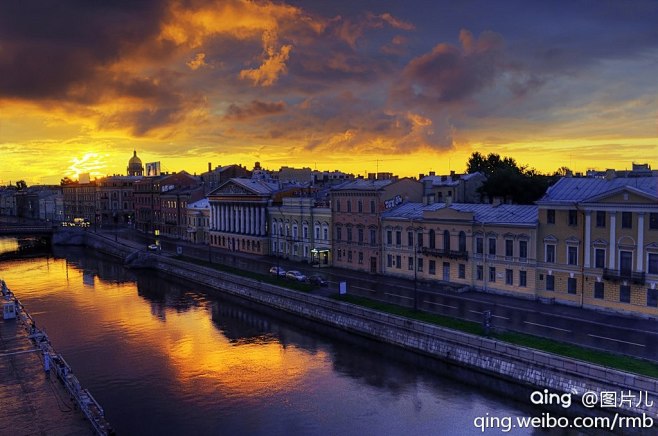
pixel 414 239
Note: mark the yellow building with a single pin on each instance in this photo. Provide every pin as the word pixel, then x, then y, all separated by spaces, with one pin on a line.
pixel 481 246
pixel 598 243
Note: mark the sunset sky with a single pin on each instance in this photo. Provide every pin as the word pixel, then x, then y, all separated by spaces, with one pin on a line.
pixel 359 85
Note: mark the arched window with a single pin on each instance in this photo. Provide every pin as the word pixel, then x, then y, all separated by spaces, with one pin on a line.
pixel 446 240
pixel 432 239
pixel 462 241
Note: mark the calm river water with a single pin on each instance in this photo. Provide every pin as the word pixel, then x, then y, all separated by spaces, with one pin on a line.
pixel 164 357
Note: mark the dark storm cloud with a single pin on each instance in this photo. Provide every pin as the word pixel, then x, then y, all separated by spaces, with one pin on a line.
pixel 449 74
pixel 254 109
pixel 48 47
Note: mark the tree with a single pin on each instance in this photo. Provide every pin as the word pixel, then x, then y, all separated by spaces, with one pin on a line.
pixel 66 181
pixel 508 181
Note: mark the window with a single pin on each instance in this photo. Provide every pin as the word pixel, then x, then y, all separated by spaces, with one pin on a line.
pixel 398 238
pixel 461 271
pixel 653 221
pixel 652 297
pixel 410 239
pixel 492 274
pixel 349 205
pixel 523 250
pixel 480 272
pixel 462 242
pixel 652 263
pixel 572 255
pixel 398 262
pixel 389 237
pixel 523 279
pixel 420 239
pixel 360 257
pixel 509 248
pixel 305 232
pixel 359 206
pixel 573 217
pixel 317 232
pixel 339 233
pixel 411 264
pixel 492 246
pixel 337 205
pixel 571 285
pixel 360 235
pixel 624 294
pixel 550 283
pixel 446 241
pixel 550 216
pixel 509 277
pixel 432 239
pixel 479 246
pixel 550 253
pixel 599 258
pixel 325 233
pixel 600 218
pixel 626 220
pixel 373 237
pixel 420 264
pixel 598 290
pixel 349 234
pixel 389 260
pixel 432 268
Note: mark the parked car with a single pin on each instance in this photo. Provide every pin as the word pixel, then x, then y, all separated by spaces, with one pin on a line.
pixel 153 247
pixel 318 280
pixel 277 271
pixel 296 275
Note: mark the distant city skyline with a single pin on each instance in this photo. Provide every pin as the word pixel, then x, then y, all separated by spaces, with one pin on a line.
pixel 401 87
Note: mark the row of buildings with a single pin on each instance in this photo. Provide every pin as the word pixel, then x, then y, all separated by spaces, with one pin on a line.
pixel 590 241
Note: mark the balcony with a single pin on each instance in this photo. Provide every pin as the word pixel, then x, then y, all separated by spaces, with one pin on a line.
pixel 438 252
pixel 615 275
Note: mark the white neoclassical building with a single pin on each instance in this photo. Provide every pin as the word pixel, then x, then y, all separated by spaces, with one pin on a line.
pixel 238 215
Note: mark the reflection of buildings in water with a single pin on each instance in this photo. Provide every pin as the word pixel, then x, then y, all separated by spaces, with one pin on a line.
pixel 105 268
pixel 163 293
pixel 88 278
pixel 247 325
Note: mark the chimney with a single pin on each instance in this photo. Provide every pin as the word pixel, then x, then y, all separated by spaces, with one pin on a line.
pixel 209 166
pixel 452 173
pixel 432 173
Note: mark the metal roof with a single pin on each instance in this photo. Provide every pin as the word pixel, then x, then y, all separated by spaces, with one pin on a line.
pixel 483 213
pixel 578 189
pixel 363 185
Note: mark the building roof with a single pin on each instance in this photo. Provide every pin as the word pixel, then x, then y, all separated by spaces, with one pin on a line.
pixel 363 185
pixel 579 189
pixel 451 180
pixel 200 204
pixel 257 186
pixel 483 213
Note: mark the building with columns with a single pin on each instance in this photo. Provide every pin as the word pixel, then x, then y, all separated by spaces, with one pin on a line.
pixel 598 243
pixel 238 215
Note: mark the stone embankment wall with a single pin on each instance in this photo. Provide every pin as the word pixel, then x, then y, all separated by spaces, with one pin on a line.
pixel 519 364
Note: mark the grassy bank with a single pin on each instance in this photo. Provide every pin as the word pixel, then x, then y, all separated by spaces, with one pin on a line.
pixel 623 363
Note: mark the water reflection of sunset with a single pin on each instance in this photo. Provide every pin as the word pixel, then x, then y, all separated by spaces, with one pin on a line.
pixel 201 359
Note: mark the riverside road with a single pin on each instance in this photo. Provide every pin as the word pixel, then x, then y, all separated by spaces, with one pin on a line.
pixel 619 334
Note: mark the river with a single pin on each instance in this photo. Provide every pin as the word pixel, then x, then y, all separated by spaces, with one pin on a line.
pixel 165 357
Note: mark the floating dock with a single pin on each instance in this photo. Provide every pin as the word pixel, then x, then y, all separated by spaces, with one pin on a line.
pixel 39 394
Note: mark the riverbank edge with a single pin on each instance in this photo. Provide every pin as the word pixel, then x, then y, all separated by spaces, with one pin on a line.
pixel 528 367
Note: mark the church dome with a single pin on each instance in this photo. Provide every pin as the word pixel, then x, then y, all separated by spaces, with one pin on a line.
pixel 135 167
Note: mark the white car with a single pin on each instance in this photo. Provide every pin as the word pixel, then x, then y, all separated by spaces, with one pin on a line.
pixel 153 247
pixel 296 275
pixel 277 271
